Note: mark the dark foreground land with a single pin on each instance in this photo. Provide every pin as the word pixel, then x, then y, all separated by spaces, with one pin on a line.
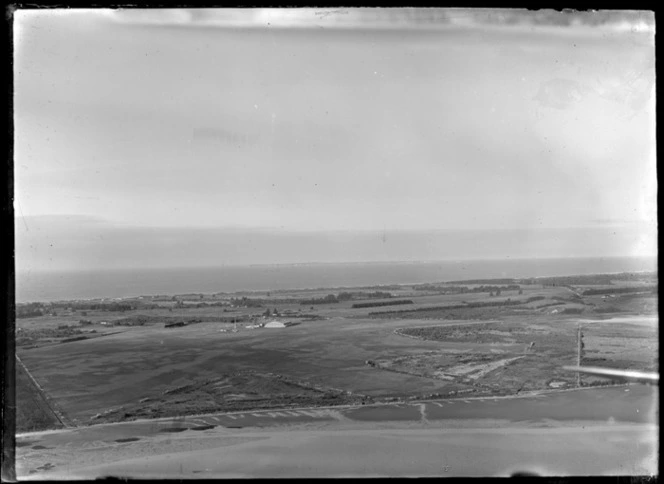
pixel 595 431
pixel 33 412
pixel 160 356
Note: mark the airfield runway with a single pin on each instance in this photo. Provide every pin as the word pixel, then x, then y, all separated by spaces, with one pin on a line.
pixel 592 431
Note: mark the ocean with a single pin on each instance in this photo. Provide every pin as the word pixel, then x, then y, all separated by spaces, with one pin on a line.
pixel 63 285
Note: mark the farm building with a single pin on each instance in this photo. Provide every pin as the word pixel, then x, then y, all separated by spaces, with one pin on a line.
pixel 275 324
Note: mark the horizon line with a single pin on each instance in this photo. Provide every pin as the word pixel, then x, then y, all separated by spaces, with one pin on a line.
pixel 321 263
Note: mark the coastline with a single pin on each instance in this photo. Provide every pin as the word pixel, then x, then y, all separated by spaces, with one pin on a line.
pixel 52 286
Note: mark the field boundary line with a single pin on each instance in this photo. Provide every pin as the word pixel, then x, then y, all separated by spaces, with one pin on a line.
pixel 332 408
pixel 62 418
pixel 529 394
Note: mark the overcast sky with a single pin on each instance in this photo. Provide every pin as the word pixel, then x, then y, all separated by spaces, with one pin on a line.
pixel 144 131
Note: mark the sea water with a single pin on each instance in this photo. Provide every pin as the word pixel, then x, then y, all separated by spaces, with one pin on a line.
pixel 63 285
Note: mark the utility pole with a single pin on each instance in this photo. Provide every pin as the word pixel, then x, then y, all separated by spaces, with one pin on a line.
pixel 579 353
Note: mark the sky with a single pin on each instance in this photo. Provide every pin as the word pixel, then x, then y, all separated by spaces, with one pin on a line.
pixel 153 138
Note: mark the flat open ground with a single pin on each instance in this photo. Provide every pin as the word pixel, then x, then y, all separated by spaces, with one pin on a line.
pixel 334 355
pixel 90 377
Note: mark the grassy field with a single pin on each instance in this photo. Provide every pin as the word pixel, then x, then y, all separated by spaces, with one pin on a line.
pixel 32 410
pixel 234 391
pixel 337 354
pixel 509 357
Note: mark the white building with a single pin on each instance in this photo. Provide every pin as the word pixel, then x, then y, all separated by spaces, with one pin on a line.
pixel 275 324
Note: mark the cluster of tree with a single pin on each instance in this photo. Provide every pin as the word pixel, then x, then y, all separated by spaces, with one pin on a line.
pixel 29 336
pixel 137 320
pixel 246 302
pixel 201 305
pixel 234 319
pixel 507 302
pixel 330 298
pixel 591 279
pixel 31 310
pixel 386 287
pixel 118 306
pixel 574 280
pixel 486 281
pixel 142 319
pixel 465 289
pixel 433 287
pixel 128 322
pixel 190 297
pixel 131 322
pixel 74 338
pixel 381 303
pixel 621 290
pixel 347 296
pixel 498 289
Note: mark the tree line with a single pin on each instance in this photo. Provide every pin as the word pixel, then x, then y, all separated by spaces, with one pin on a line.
pixel 381 303
pixel 621 290
pixel 507 302
pixel 466 289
